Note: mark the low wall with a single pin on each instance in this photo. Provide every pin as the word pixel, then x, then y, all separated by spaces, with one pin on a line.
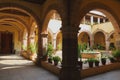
pixel 50 67
pixel 85 72
pixel 98 70
pixel 91 55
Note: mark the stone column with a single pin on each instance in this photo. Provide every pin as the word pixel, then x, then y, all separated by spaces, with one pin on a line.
pixel 91 20
pixel 54 41
pixel 24 43
pixel 28 41
pixel 84 21
pixel 44 43
pixel 91 43
pixel 69 70
pixel 104 21
pixel 98 20
pixel 40 49
pixel 117 39
pixel 107 44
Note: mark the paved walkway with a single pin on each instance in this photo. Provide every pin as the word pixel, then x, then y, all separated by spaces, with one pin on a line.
pixel 14 67
pixel 113 75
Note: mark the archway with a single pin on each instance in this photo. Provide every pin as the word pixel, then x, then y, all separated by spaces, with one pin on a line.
pixel 50 37
pixel 17 16
pixel 106 10
pixel 24 40
pixel 51 26
pixel 99 41
pixel 109 16
pixel 111 39
pixel 59 41
pixel 84 38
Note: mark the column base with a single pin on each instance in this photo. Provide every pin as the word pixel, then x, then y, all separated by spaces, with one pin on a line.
pixel 38 62
pixel 69 74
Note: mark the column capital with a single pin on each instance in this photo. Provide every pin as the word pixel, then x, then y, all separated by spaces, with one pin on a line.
pixel 44 35
pixel 31 37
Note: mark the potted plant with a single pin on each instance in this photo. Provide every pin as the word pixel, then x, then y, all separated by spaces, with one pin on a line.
pixel 90 62
pixel 48 53
pixel 56 60
pixel 103 59
pixel 112 59
pixel 116 55
pixel 80 63
pixel 97 62
pixel 50 59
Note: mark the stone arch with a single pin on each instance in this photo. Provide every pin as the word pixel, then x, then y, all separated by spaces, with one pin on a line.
pixel 88 32
pixel 47 19
pixel 59 40
pixel 15 19
pixel 52 6
pixel 50 35
pixel 99 30
pixel 22 8
pixel 47 15
pixel 86 6
pixel 45 27
pixel 99 42
pixel 32 28
pixel 17 28
pixel 111 39
pixel 33 35
pixel 18 20
pixel 111 33
pixel 24 40
pixel 26 9
pixel 57 33
pixel 84 37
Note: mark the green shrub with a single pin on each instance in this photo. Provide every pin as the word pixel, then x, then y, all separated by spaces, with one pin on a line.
pixel 33 48
pixel 56 58
pixel 91 60
pixel 116 53
pixel 50 50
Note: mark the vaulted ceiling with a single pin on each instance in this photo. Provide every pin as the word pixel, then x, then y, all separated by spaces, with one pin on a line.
pixel 36 1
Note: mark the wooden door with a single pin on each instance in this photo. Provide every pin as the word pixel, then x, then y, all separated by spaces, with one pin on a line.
pixel 6 42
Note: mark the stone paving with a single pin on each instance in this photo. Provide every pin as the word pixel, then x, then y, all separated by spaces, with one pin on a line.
pixel 14 67
pixel 113 75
